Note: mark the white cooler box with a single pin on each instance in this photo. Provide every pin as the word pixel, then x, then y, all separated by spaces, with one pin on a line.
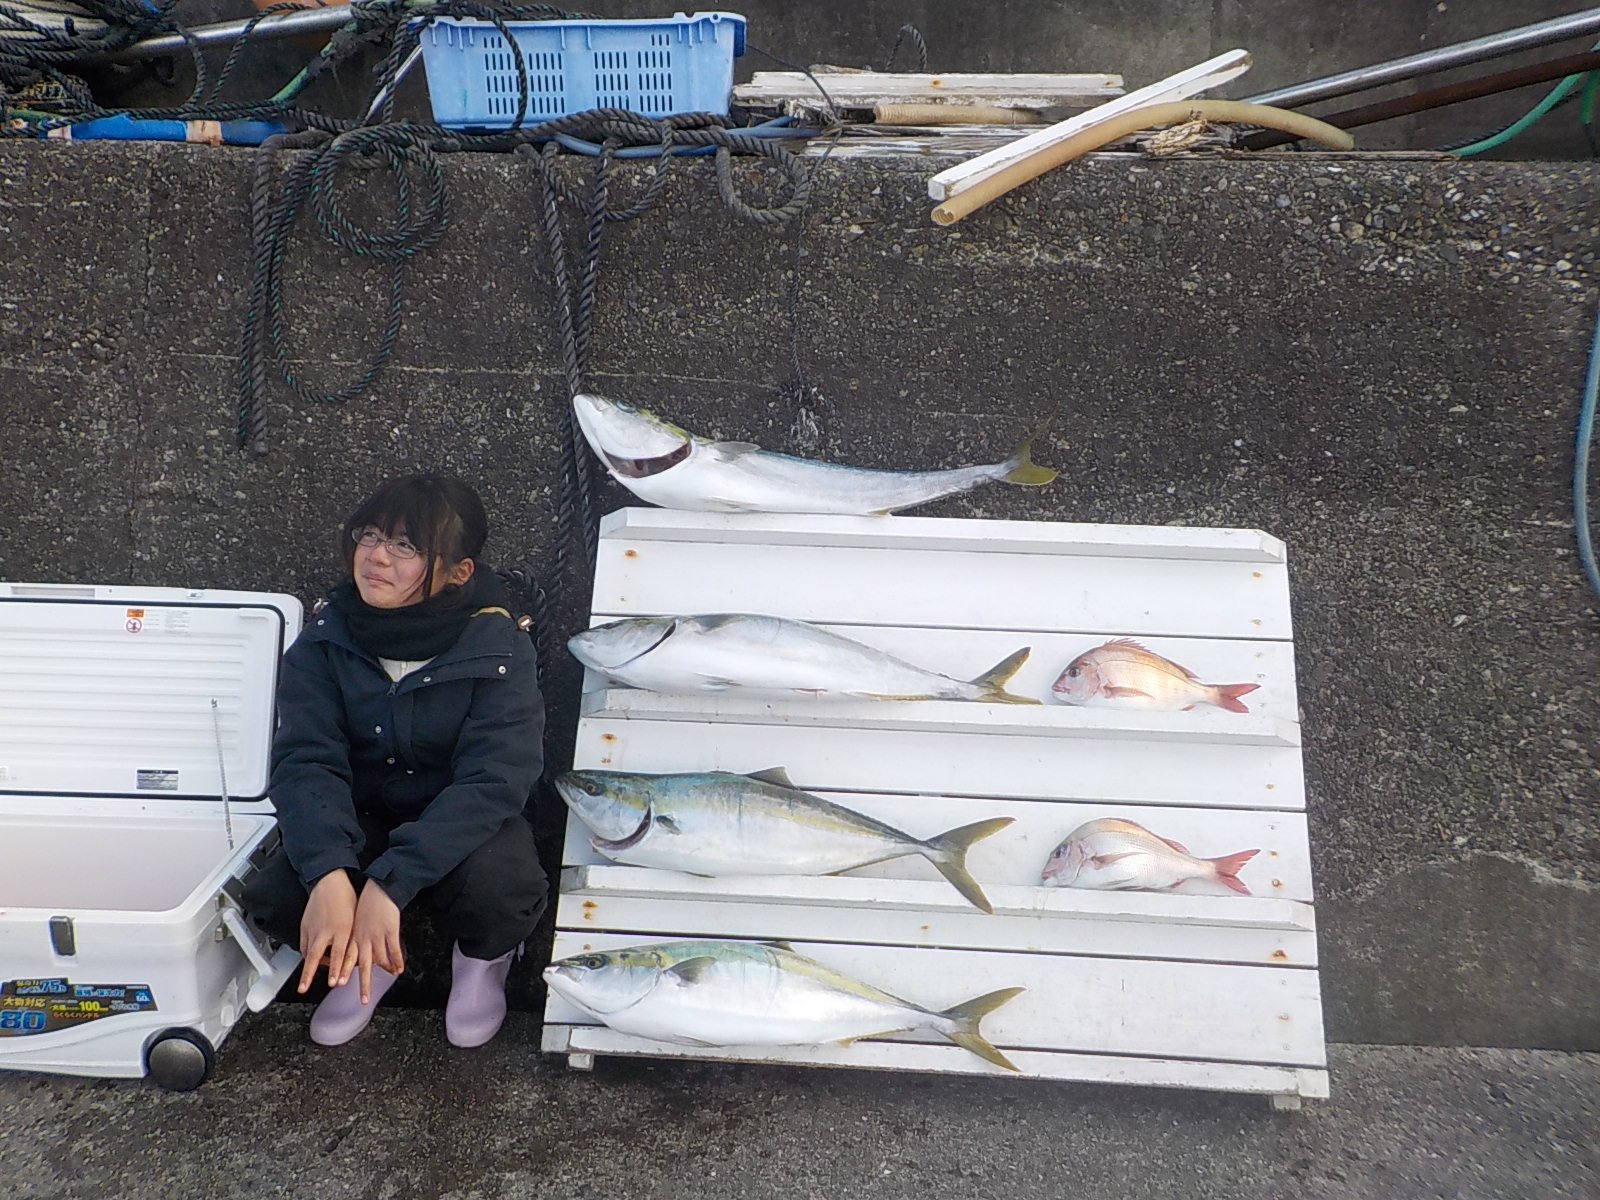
pixel 135 736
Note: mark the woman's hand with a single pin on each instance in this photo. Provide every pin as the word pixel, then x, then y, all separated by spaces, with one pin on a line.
pixel 375 937
pixel 325 929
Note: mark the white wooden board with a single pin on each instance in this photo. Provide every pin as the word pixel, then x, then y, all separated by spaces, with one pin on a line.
pixel 629 526
pixel 1121 597
pixel 1016 855
pixel 1082 1004
pixel 1114 770
pixel 588 1040
pixel 907 913
pixel 1197 987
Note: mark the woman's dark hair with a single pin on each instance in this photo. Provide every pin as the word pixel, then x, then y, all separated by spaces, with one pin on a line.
pixel 443 517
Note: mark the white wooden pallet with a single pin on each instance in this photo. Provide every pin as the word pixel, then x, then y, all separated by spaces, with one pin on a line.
pixel 1198 988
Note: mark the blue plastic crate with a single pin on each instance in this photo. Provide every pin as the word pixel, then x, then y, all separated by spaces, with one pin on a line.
pixel 656 67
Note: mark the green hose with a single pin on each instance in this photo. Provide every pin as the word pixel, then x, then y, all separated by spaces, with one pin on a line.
pixel 1555 97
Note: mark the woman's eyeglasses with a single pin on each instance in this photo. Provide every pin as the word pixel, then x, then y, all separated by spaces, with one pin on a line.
pixel 400 547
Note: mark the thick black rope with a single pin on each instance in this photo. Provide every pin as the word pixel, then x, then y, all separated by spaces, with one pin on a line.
pixel 408 149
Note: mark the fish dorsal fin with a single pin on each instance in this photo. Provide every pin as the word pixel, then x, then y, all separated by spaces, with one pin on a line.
pixel 1130 644
pixel 1178 846
pixel 728 451
pixel 779 943
pixel 690 970
pixel 773 775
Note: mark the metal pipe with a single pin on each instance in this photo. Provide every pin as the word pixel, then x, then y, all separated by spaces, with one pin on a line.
pixel 1493 46
pixel 279 25
pixel 1454 93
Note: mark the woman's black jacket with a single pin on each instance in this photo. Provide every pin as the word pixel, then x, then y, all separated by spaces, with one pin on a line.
pixel 445 755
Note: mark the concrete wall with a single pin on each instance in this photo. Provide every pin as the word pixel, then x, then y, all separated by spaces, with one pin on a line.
pixel 1378 361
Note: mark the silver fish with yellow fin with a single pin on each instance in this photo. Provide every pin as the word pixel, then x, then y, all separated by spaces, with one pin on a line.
pixel 665 465
pixel 719 823
pixel 727 993
pixel 714 652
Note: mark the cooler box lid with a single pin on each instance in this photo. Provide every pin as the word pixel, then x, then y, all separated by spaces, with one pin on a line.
pixel 107 691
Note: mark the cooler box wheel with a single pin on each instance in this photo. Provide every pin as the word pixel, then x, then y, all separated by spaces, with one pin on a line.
pixel 180 1060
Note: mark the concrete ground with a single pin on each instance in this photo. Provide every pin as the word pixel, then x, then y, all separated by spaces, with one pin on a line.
pixel 399 1114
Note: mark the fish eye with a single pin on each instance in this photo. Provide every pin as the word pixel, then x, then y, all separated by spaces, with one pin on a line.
pixel 591 962
pixel 591 787
pixel 1074 672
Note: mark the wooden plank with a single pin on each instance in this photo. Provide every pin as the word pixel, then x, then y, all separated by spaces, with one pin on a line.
pixel 1247 912
pixel 1214 72
pixel 863 89
pixel 1113 771
pixel 972 535
pixel 1310 1083
pixel 939 716
pixel 1016 855
pixel 1229 1013
pixel 664 903
pixel 908 588
pixel 648 917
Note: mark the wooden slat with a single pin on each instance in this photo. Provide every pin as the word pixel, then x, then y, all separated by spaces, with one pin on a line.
pixel 905 588
pixel 914 913
pixel 648 917
pixel 1120 770
pixel 1016 855
pixel 947 717
pixel 951 1060
pixel 1110 1006
pixel 863 89
pixel 1250 912
pixel 966 535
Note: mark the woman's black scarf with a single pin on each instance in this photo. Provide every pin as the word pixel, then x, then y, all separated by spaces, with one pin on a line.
pixel 422 630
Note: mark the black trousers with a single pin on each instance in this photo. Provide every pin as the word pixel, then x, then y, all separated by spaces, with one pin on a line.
pixel 489 903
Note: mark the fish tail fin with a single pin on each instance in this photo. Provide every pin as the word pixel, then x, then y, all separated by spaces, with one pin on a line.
pixel 948 852
pixel 1228 695
pixel 993 681
pixel 966 1016
pixel 1228 870
pixel 1020 467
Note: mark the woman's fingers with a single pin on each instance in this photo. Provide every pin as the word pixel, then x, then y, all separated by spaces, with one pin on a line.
pixel 346 956
pixel 397 958
pixel 312 951
pixel 364 968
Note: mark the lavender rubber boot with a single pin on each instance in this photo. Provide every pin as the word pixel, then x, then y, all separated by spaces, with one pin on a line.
pixel 341 1015
pixel 477 1002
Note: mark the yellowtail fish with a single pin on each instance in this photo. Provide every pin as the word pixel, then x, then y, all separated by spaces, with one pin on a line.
pixel 718 823
pixel 725 993
pixel 718 651
pixel 665 465
pixel 1112 854
pixel 1123 674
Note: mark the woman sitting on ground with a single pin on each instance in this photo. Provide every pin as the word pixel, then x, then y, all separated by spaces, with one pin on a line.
pixel 408 744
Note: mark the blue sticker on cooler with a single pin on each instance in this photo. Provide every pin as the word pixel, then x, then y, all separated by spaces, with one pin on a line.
pixel 29 1006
